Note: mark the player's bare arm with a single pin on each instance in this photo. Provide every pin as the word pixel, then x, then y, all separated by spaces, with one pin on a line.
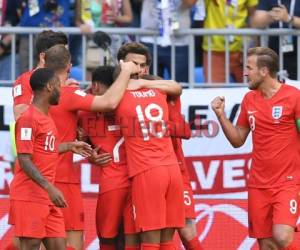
pixel 110 100
pixel 19 109
pixel 33 173
pixel 236 135
pixel 78 147
pixel 169 87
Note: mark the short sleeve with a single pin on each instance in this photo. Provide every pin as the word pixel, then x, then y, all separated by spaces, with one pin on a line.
pixel 22 92
pixel 25 135
pixel 78 100
pixel 243 118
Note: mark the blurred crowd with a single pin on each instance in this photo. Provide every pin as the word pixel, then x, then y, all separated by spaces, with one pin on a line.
pixel 166 16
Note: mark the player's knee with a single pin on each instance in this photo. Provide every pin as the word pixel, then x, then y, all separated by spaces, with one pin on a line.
pixel 75 239
pixel 189 231
pixel 283 239
pixel 267 244
pixel 132 240
pixel 151 236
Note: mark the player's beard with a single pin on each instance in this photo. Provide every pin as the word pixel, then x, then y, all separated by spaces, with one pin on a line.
pixel 255 85
pixel 54 98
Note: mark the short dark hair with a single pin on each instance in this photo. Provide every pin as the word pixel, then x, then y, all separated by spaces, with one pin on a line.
pixel 57 57
pixel 48 38
pixel 266 57
pixel 136 48
pixel 40 78
pixel 103 75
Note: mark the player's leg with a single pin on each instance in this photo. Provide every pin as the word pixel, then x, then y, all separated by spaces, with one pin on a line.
pixel 73 214
pixel 267 244
pixel 149 205
pixel 150 240
pixel 55 243
pixel 283 236
pixel 188 234
pixel 285 216
pixel 30 243
pixel 75 239
pixel 260 217
pixel 29 220
pixel 166 240
pixel 109 215
pixel 132 239
pixel 174 207
pixel 132 242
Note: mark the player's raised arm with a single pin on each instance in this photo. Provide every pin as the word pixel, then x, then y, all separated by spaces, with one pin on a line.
pixel 236 135
pixel 169 87
pixel 110 100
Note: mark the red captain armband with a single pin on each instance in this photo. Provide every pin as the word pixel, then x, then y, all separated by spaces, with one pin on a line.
pixel 179 130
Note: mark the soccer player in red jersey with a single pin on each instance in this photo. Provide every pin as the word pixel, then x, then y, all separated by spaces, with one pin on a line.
pixel 113 205
pixel 72 100
pixel 179 130
pixel 137 53
pixel 22 92
pixel 271 111
pixel 34 200
pixel 157 191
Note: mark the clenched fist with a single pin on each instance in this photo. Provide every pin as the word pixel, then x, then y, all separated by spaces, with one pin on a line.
pixel 218 105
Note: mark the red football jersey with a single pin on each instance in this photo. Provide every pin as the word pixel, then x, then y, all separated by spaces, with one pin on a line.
pixel 102 131
pixel 275 157
pixel 36 134
pixel 22 92
pixel 181 129
pixel 143 116
pixel 72 99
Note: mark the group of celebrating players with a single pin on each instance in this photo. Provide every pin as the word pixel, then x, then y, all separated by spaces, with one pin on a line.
pixel 129 124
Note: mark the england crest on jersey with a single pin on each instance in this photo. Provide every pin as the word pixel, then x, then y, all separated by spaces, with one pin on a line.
pixel 277 112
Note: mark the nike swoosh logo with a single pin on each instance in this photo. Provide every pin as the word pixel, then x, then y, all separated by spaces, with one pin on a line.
pixel 251 112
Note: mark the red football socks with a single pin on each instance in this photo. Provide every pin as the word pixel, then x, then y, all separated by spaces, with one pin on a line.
pixel 70 248
pixel 149 246
pixel 193 244
pixel 167 246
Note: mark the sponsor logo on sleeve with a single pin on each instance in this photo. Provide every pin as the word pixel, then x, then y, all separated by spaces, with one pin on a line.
pixel 26 134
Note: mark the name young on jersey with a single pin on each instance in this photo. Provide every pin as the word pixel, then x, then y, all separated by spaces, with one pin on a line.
pixel 143 94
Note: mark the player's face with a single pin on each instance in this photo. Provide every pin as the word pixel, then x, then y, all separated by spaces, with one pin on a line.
pixel 140 61
pixel 55 93
pixel 253 73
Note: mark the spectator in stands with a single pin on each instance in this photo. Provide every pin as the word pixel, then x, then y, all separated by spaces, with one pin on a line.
pixel 221 15
pixel 8 17
pixel 41 13
pixel 136 11
pixel 280 14
pixel 168 18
